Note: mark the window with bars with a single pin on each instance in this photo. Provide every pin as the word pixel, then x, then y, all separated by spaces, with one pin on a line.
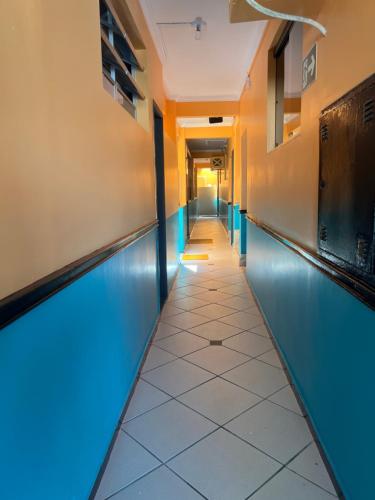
pixel 119 59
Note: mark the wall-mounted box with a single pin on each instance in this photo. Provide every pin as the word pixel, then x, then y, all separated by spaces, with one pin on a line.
pixel 347 182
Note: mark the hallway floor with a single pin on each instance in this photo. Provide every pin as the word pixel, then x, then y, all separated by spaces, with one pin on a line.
pixel 213 415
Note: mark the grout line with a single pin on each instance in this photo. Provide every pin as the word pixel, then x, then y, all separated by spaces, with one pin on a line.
pixel 142 476
pixel 185 481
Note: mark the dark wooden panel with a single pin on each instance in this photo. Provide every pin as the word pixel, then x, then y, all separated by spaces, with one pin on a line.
pixel 347 182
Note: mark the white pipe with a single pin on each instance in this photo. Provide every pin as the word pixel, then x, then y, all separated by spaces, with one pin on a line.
pixel 287 17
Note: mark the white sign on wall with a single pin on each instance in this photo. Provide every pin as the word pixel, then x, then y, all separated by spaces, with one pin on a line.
pixel 309 69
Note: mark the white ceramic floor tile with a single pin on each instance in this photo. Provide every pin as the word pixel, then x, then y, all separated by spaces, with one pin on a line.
pixel 156 357
pixel 278 432
pixel 190 290
pixel 235 289
pixel 182 343
pixel 286 398
pixel 168 429
pixel 214 311
pixel 170 310
pixel 233 279
pixel 239 303
pixel 212 297
pixel 271 357
pixel 217 359
pixel 219 400
pixel 260 330
pixel 165 330
pixel 212 284
pixel 215 330
pixel 177 377
pixel 160 484
pixel 249 343
pixel 128 462
pixel 310 465
pixel 186 320
pixel 222 467
pixel 189 303
pixel 242 320
pixel 176 294
pixel 145 398
pixel 258 377
pixel 254 311
pixel 288 486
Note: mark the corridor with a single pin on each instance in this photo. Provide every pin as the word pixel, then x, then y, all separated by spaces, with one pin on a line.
pixel 213 415
pixel 187 257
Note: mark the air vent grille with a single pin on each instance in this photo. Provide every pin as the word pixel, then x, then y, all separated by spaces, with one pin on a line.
pixel 324 133
pixel 323 235
pixel 363 248
pixel 368 111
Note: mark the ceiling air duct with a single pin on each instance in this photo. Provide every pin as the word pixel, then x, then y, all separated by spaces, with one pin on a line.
pixel 303 11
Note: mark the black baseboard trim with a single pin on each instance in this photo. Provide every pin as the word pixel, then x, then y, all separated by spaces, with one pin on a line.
pixel 301 404
pixel 121 419
pixel 15 305
pixel 353 285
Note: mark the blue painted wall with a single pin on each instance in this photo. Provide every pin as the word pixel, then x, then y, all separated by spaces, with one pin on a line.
pixel 230 222
pixel 327 338
pixel 66 370
pixel 236 213
pixel 173 246
pixel 223 212
pixel 243 234
pixel 182 228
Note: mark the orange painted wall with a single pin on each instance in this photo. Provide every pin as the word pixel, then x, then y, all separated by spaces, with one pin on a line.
pixel 283 184
pixel 77 171
pixel 207 108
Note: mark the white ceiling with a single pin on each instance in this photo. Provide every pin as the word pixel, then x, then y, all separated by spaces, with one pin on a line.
pixel 212 68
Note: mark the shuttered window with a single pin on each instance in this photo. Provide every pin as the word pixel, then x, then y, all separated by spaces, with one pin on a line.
pixel 119 59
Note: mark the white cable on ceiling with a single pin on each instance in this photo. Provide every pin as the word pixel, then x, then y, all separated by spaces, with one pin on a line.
pixel 287 17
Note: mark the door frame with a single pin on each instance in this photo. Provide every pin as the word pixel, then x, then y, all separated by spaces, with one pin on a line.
pixel 232 196
pixel 160 204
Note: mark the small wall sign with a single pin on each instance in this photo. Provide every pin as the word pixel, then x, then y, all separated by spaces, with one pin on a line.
pixel 309 69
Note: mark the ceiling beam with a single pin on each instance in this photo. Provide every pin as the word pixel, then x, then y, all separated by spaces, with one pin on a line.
pixel 207 108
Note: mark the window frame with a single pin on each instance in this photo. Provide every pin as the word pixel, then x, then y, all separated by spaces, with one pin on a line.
pixel 276 87
pixel 119 59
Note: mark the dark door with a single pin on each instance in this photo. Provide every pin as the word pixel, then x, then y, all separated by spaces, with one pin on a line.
pixel 160 204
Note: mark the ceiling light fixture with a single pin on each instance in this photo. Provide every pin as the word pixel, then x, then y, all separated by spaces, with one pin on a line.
pixel 198 24
pixel 287 17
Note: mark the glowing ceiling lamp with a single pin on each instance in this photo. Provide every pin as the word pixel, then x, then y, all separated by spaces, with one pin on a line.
pixel 288 17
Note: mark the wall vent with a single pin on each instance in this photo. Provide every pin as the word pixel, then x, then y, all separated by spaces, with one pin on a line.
pixel 368 111
pixel 323 233
pixel 362 253
pixel 324 133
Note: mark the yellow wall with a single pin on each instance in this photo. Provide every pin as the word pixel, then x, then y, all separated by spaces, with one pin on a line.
pixel 77 171
pixel 210 108
pixel 283 184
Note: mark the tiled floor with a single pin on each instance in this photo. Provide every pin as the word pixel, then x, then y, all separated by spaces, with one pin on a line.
pixel 214 421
